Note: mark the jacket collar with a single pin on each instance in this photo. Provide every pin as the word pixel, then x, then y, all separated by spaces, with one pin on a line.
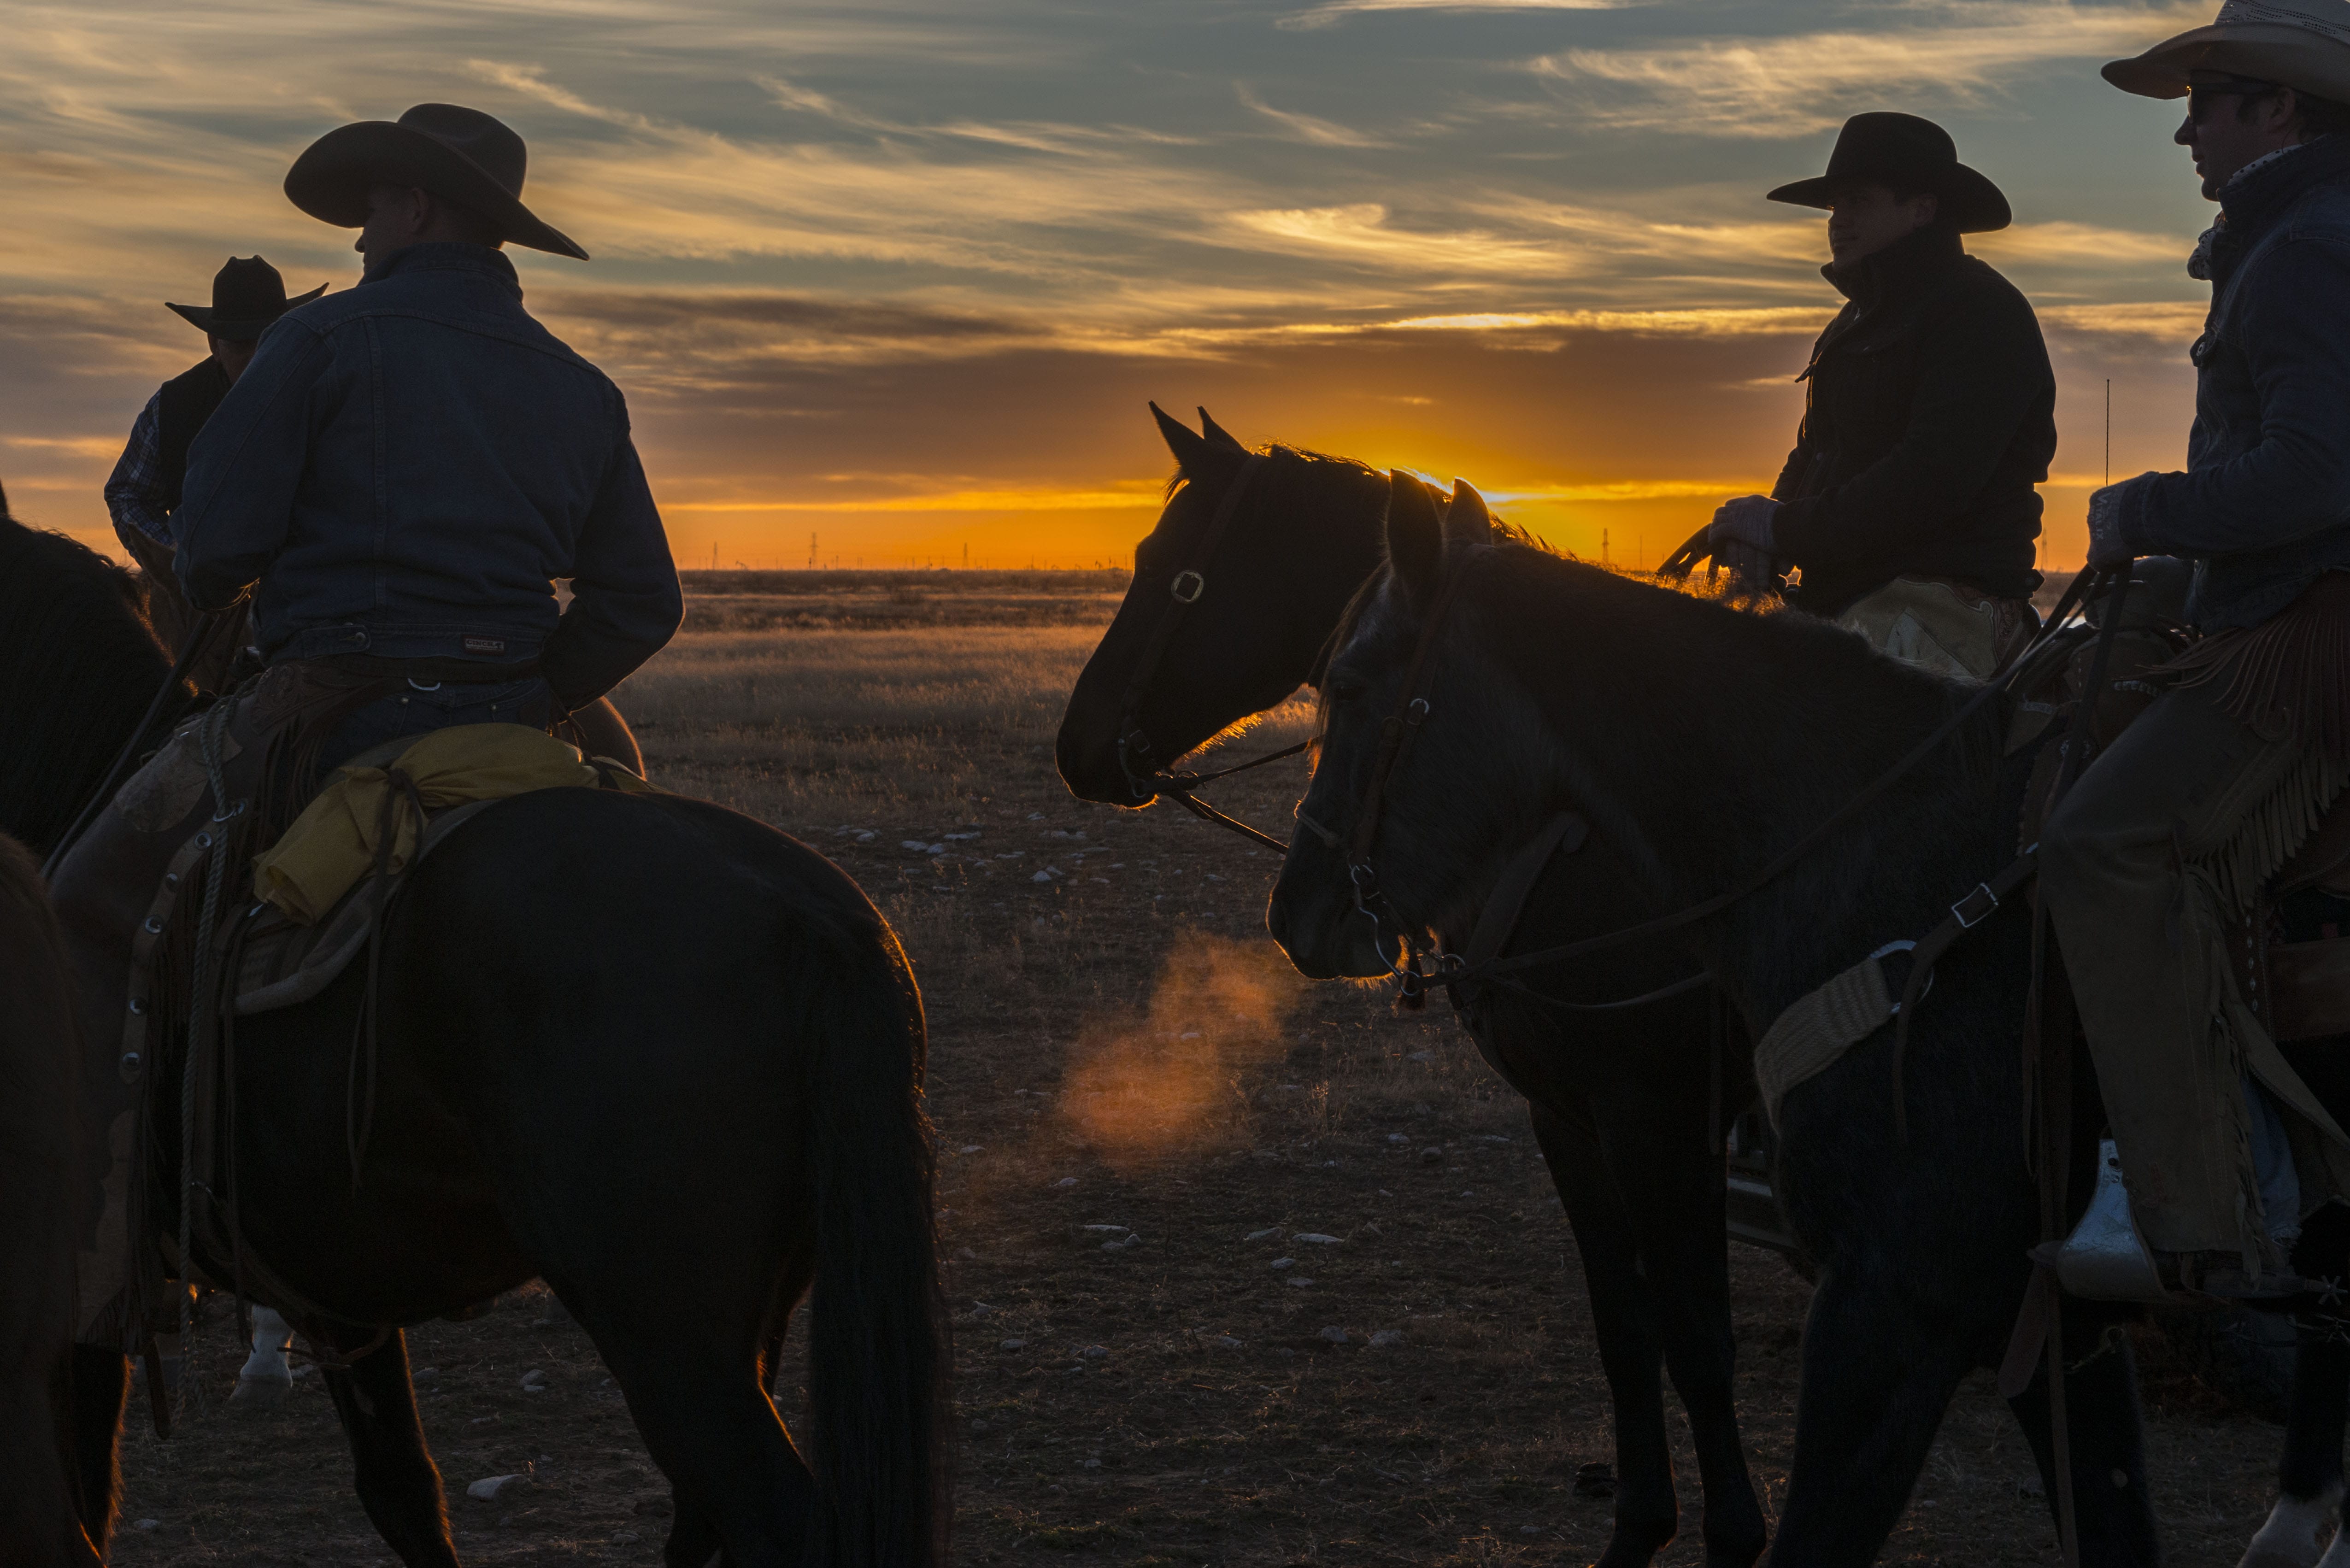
pixel 447 255
pixel 1900 271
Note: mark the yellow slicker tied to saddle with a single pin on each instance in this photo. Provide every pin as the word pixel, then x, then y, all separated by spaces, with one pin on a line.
pixel 336 840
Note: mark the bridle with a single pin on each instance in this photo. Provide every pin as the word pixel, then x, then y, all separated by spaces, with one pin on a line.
pixel 1145 778
pixel 1483 962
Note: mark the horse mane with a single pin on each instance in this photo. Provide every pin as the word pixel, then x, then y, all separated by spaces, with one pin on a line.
pixel 80 666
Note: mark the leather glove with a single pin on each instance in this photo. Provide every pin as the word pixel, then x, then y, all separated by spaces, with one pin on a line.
pixel 2107 548
pixel 1745 540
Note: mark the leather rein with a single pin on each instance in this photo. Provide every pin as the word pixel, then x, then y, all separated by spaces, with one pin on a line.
pixel 1483 962
pixel 1146 779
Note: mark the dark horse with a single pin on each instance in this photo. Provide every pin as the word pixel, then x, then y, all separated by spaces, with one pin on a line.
pixel 1626 1107
pixel 648 1050
pixel 1700 741
pixel 40 1523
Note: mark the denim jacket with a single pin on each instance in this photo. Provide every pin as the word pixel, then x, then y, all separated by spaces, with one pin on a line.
pixel 405 468
pixel 2264 505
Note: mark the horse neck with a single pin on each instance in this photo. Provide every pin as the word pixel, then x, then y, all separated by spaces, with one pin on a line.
pixel 1727 739
pixel 1326 549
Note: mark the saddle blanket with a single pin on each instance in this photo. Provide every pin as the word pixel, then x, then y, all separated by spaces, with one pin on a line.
pixel 338 863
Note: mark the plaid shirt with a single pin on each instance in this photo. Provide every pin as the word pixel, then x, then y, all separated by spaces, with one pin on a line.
pixel 134 492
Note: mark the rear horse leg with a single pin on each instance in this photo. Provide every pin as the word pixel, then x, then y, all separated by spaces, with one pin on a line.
pixel 398 1483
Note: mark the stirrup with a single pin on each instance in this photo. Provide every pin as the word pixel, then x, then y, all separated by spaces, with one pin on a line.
pixel 2105 1258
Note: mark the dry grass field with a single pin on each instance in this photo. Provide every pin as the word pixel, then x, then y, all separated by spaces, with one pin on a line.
pixel 1242 1271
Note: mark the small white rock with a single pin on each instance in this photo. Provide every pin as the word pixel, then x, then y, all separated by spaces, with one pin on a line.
pixel 624 1538
pixel 1044 876
pixel 1296 1280
pixel 488 1488
pixel 147 1524
pixel 1093 1352
pixel 1260 1235
pixel 1065 1181
pixel 971 1149
pixel 1398 1137
pixel 1335 1336
pixel 913 844
pixel 1120 1229
pixel 1387 1336
pixel 1228 1342
pixel 1316 1236
pixel 1013 1344
pixel 1282 1262
pixel 534 1381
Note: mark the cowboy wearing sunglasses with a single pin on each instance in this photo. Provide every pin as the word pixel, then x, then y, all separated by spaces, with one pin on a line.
pixel 2170 834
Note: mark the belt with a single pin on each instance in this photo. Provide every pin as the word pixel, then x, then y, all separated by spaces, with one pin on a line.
pixel 424 671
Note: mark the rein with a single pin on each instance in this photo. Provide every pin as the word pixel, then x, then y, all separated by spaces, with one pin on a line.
pixel 1456 970
pixel 1145 779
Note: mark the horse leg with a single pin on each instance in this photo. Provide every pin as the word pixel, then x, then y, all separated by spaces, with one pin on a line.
pixel 2105 1433
pixel 2309 1478
pixel 1876 1383
pixel 101 1387
pixel 396 1481
pixel 1672 1186
pixel 1624 1319
pixel 266 1378
pixel 693 1539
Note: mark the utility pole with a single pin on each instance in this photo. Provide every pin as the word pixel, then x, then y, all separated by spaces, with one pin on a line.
pixel 811 552
pixel 1603 546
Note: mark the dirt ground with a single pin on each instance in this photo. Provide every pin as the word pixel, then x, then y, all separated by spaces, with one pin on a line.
pixel 1182 1192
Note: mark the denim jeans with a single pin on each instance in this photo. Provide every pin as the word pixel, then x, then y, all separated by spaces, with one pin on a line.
pixel 420 709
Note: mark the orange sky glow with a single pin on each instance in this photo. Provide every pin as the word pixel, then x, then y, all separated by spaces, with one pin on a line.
pixel 901 276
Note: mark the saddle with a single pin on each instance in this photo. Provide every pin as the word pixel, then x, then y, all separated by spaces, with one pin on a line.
pixel 2291 946
pixel 330 860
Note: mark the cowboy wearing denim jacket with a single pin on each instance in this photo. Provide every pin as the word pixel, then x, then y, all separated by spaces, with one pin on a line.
pixel 398 479
pixel 2170 834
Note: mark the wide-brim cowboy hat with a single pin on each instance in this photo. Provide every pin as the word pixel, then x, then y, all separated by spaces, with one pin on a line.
pixel 2301 44
pixel 248 295
pixel 460 155
pixel 1903 149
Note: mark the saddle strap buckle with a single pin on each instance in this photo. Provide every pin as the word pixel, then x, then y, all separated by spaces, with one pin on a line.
pixel 1198 584
pixel 1975 908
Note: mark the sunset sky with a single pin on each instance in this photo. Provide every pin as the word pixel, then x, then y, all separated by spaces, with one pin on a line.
pixel 902 276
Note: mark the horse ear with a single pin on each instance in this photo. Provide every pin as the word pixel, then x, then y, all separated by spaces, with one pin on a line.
pixel 1219 436
pixel 1190 451
pixel 1466 519
pixel 1415 536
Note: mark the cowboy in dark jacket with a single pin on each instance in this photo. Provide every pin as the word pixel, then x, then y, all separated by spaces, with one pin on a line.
pixel 2163 847
pixel 1908 503
pixel 398 479
pixel 144 489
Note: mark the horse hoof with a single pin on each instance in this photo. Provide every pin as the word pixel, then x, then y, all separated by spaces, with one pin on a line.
pixel 261 1392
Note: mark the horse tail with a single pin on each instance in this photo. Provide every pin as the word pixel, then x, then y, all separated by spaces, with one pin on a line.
pixel 877 1349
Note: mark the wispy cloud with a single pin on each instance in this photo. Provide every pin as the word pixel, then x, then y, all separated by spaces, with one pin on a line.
pixel 1334 11
pixel 1305 127
pixel 1799 83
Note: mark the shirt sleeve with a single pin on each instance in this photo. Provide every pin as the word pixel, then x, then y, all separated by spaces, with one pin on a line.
pixel 2296 480
pixel 1982 368
pixel 624 599
pixel 245 467
pixel 135 497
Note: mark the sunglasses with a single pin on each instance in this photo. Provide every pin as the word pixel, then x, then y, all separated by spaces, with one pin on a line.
pixel 2202 97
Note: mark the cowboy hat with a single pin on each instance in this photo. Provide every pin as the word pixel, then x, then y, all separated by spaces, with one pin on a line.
pixel 1901 148
pixel 2301 44
pixel 460 155
pixel 248 295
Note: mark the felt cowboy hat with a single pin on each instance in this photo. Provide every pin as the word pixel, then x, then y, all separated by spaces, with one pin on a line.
pixel 248 295
pixel 2301 44
pixel 1903 149
pixel 461 155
